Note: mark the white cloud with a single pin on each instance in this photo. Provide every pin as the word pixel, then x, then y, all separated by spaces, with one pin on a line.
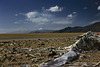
pixel 16 14
pixel 40 29
pixel 70 16
pixel 44 18
pixel 19 14
pixel 38 21
pixel 37 17
pixel 74 12
pixel 98 8
pixel 55 9
pixel 16 23
pixel 31 14
pixel 85 8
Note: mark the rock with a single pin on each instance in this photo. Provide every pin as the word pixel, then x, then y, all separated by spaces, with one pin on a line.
pixel 62 53
pixel 97 64
pixel 85 56
pixel 41 44
pixel 51 49
pixel 85 65
pixel 46 40
pixel 34 60
pixel 25 66
pixel 38 54
pixel 11 44
pixel 53 53
pixel 13 60
pixel 1 44
pixel 30 49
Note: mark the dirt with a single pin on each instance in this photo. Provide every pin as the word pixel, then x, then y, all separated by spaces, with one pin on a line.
pixel 22 50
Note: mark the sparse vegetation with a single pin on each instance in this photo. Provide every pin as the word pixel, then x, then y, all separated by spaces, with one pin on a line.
pixel 34 49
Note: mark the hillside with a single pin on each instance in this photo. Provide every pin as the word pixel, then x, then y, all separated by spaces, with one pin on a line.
pixel 93 27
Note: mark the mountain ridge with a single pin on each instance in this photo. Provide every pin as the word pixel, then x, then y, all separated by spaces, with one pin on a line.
pixel 95 27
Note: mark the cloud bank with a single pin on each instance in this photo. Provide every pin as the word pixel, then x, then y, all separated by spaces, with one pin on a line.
pixel 37 17
pixel 37 20
pixel 46 18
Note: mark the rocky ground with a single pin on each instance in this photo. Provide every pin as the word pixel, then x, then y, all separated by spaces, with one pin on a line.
pixel 31 52
pixel 34 52
pixel 86 59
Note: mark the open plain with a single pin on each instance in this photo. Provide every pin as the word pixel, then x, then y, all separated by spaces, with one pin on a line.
pixel 22 50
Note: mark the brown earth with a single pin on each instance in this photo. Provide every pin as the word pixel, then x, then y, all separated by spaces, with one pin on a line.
pixel 18 50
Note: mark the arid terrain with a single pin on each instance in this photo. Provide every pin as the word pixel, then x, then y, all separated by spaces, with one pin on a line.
pixel 21 50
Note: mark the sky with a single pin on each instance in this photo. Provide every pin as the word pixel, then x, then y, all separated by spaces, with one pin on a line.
pixel 29 15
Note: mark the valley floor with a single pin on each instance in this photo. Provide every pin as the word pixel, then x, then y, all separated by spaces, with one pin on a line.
pixel 32 50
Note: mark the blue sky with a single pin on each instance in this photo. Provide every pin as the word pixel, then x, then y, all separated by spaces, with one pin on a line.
pixel 29 15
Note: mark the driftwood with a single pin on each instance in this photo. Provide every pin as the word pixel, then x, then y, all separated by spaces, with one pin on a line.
pixel 86 42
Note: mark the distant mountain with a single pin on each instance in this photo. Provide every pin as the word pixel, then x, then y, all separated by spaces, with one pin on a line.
pixel 93 27
pixel 42 31
pixel 69 30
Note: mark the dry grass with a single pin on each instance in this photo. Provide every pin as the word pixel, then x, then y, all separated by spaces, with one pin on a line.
pixel 35 35
pixel 17 58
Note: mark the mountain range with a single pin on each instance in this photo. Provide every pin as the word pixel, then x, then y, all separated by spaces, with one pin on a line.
pixel 95 27
pixel 92 27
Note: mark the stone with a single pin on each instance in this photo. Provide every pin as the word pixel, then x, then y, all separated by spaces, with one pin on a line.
pixel 53 53
pixel 41 44
pixel 97 64
pixel 85 65
pixel 85 56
